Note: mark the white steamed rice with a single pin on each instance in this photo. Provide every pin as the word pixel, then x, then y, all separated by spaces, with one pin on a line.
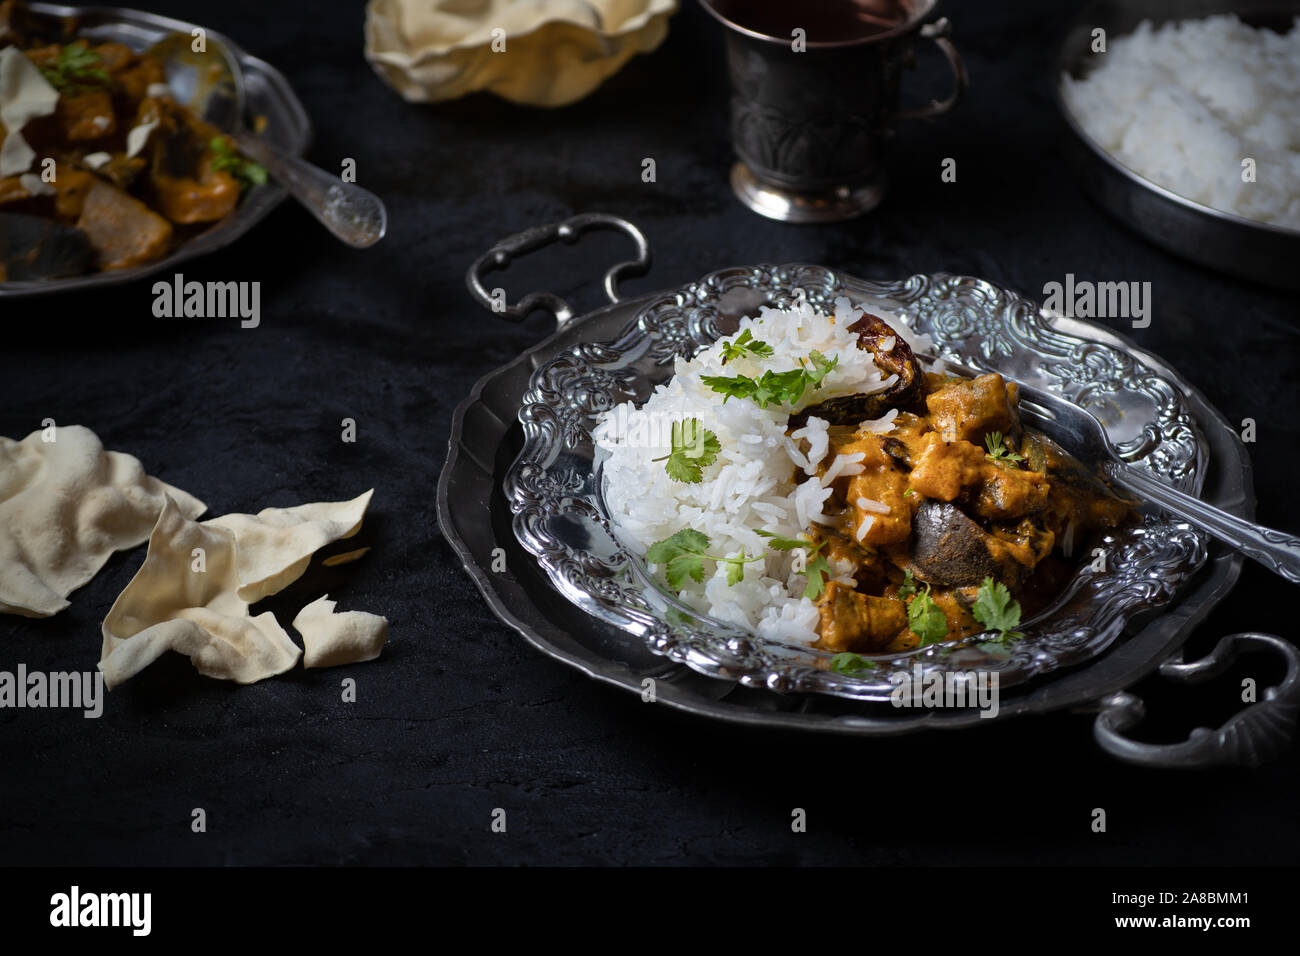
pixel 750 486
pixel 1184 103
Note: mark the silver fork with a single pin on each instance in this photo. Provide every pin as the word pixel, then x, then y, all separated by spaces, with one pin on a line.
pixel 1079 432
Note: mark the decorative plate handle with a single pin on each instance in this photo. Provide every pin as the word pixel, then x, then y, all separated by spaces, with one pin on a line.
pixel 504 252
pixel 938 32
pixel 1256 735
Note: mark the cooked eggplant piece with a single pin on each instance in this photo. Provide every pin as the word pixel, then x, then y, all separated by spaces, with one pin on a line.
pixel 898 452
pixel 86 116
pixel 1078 494
pixel 874 334
pixel 1027 541
pixel 124 231
pixel 852 621
pixel 34 247
pixel 948 548
pixel 187 187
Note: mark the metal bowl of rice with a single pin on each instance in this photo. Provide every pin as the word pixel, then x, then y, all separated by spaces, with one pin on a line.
pixel 1182 127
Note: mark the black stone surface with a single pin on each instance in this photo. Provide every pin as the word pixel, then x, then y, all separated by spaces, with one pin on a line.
pixel 458 716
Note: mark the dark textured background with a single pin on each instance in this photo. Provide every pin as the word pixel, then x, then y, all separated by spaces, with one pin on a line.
pixel 459 716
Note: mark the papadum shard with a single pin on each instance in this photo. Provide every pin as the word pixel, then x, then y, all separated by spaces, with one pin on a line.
pixel 276 544
pixel 193 592
pixel 185 598
pixel 347 637
pixel 66 505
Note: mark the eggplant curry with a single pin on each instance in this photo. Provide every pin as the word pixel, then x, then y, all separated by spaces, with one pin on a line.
pixel 103 168
pixel 957 504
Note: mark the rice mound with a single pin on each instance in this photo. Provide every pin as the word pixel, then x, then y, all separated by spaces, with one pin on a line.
pixel 1185 103
pixel 760 479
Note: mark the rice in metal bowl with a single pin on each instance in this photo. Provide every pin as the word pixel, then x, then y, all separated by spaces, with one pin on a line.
pixel 1186 104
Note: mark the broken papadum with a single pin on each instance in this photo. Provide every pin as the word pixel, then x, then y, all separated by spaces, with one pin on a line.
pixel 276 544
pixel 185 598
pixel 346 637
pixel 193 592
pixel 66 505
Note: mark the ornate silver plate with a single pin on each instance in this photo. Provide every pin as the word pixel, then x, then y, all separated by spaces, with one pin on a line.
pixel 267 93
pixel 554 487
pixel 479 523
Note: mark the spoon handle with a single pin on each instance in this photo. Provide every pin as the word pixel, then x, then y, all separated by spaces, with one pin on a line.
pixel 355 215
pixel 1276 550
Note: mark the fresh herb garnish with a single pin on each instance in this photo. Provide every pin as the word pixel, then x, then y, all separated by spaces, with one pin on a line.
pixel 742 343
pixel 908 587
pixel 787 544
pixel 787 387
pixel 76 67
pixel 683 554
pixel 818 572
pixel 818 569
pixel 851 665
pixel 925 619
pixel 910 492
pixel 693 449
pixel 995 610
pixel 999 452
pixel 225 158
pixel 821 367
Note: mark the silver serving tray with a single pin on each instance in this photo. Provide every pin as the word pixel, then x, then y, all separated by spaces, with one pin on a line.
pixel 1229 243
pixel 571 592
pixel 267 94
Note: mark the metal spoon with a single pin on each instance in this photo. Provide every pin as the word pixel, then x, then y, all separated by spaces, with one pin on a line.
pixel 1085 437
pixel 212 84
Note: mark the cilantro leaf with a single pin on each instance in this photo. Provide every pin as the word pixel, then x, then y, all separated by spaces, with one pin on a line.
pixel 771 387
pixel 77 68
pixel 908 587
pixel 225 158
pixel 688 539
pixel 851 665
pixel 693 449
pixel 742 343
pixel 736 386
pixel 818 569
pixel 780 387
pixel 925 619
pixel 821 366
pixel 683 554
pixel 995 610
pixel 736 567
pixel 999 453
pixel 787 544
pixel 818 572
